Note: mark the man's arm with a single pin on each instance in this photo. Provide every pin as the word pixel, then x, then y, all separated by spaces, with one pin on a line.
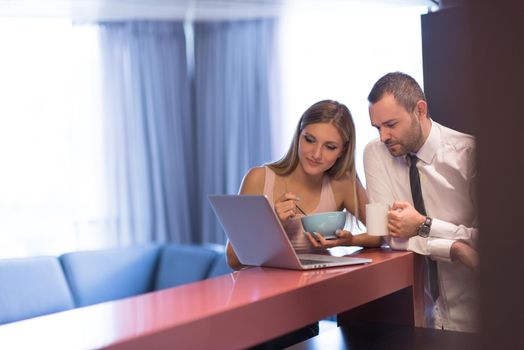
pixel 463 252
pixel 379 190
pixel 404 221
pixel 446 241
pixel 378 185
pixel 447 230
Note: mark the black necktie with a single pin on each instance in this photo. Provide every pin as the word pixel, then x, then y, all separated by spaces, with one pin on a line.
pixel 418 202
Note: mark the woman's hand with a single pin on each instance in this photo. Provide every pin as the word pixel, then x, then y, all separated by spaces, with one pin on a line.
pixel 285 206
pixel 318 241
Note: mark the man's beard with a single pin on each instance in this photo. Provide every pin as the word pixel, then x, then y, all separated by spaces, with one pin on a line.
pixel 411 142
pixel 399 151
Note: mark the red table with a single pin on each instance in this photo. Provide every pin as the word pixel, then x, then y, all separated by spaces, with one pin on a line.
pixel 237 310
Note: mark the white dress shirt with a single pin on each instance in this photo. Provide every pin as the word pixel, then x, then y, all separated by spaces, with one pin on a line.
pixel 447 176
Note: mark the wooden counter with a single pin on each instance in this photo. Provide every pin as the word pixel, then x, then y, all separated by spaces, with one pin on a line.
pixel 237 310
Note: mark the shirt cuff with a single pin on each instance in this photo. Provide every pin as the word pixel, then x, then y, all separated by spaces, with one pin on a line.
pixel 440 249
pixel 442 229
pixel 396 243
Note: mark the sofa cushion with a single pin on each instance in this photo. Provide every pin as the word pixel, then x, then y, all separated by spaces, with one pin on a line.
pixel 181 263
pixel 103 275
pixel 31 287
pixel 220 267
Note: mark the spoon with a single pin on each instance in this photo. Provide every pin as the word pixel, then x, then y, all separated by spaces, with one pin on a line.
pixel 300 209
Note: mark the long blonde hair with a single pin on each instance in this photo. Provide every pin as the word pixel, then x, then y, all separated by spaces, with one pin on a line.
pixel 337 114
pixel 326 111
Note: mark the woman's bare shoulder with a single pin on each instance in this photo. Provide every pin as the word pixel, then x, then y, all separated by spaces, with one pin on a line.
pixel 253 182
pixel 343 183
pixel 256 173
pixel 344 189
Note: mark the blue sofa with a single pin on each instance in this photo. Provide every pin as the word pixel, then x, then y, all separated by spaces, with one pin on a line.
pixel 31 287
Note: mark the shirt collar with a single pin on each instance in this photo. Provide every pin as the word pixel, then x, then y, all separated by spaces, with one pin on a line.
pixel 429 148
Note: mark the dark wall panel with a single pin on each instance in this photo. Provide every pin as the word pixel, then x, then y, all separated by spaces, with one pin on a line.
pixel 474 78
pixel 497 81
pixel 446 62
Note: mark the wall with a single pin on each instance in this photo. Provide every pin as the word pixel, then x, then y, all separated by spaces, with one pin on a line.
pixel 473 74
pixel 446 56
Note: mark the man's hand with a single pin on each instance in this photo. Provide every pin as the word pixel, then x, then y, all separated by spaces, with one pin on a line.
pixel 464 253
pixel 403 220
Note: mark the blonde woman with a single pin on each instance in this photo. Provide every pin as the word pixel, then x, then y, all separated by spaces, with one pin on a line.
pixel 316 175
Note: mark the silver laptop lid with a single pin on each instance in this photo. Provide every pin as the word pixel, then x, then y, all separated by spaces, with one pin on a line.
pixel 254 231
pixel 259 239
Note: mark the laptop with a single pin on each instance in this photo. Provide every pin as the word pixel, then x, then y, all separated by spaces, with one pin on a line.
pixel 258 238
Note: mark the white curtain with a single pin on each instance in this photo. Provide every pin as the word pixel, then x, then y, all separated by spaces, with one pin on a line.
pixel 234 77
pixel 149 131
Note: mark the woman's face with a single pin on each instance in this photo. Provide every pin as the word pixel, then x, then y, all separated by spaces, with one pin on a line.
pixel 319 147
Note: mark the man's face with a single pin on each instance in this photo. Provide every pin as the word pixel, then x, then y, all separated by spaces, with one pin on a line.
pixel 399 129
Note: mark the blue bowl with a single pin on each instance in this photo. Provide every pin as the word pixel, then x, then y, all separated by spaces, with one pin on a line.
pixel 325 223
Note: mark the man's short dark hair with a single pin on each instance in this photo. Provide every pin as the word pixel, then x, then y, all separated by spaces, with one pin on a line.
pixel 404 88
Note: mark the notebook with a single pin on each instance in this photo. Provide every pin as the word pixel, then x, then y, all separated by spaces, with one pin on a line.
pixel 258 238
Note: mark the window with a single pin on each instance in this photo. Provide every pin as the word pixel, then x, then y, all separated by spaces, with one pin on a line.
pixel 51 130
pixel 338 52
pixel 50 137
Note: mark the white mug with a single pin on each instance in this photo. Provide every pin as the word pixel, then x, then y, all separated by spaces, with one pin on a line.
pixel 377 219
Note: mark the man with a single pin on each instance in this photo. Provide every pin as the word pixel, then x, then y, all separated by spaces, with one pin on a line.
pixel 426 173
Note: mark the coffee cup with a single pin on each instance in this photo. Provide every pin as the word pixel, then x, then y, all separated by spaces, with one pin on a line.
pixel 377 219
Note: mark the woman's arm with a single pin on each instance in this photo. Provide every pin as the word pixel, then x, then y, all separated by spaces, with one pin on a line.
pixel 253 183
pixel 354 201
pixel 231 257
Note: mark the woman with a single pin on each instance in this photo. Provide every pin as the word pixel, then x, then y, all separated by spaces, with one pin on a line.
pixel 317 174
